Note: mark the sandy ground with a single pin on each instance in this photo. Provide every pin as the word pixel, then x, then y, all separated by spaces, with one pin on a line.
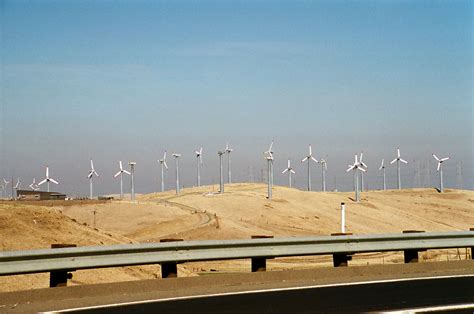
pixel 241 212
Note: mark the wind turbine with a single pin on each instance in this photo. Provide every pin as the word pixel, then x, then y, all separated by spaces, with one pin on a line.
pixel 2 186
pixel 308 158
pixel 354 167
pixel 48 179
pixel 120 173
pixel 90 176
pixel 5 184
pixel 361 163
pixel 132 165
pixel 221 171
pixel 199 163
pixel 163 166
pixel 33 185
pixel 176 156
pixel 324 168
pixel 17 186
pixel 382 167
pixel 228 150
pixel 440 170
pixel 398 159
pixel 290 171
pixel 268 155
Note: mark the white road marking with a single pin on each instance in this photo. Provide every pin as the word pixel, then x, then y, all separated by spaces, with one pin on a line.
pixel 434 309
pixel 258 291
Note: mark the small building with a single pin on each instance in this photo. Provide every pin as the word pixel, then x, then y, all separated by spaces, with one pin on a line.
pixel 29 195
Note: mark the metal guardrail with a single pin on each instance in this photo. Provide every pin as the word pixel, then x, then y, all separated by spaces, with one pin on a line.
pixel 66 259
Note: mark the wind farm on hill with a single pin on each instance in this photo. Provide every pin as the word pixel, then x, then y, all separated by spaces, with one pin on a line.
pixel 242 211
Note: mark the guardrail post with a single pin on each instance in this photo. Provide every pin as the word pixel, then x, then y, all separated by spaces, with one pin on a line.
pixel 259 263
pixel 59 278
pixel 341 259
pixel 411 256
pixel 169 269
pixel 472 247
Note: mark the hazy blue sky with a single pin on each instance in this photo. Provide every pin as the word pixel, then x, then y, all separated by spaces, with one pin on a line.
pixel 126 80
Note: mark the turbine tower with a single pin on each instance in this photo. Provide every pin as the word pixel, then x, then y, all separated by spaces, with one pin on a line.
pixel 308 158
pixel 132 171
pixel 268 155
pixel 199 163
pixel 398 159
pixel 324 168
pixel 440 170
pixel 382 167
pixel 120 173
pixel 33 186
pixel 90 176
pixel 228 150
pixel 290 171
pixel 163 166
pixel 48 179
pixel 354 167
pixel 221 171
pixel 176 156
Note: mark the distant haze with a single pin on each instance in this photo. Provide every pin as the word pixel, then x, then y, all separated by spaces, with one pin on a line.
pixel 127 80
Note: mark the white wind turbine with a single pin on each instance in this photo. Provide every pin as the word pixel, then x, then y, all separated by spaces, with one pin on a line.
pixel 228 150
pixel 199 163
pixel 221 171
pixel 324 168
pixel 308 158
pixel 290 171
pixel 354 167
pixel 176 156
pixel 120 173
pixel 48 179
pixel 398 159
pixel 5 184
pixel 268 155
pixel 17 186
pixel 90 176
pixel 382 167
pixel 362 164
pixel 33 186
pixel 440 170
pixel 163 167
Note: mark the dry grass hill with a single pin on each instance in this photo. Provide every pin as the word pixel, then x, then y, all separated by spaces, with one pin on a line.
pixel 241 212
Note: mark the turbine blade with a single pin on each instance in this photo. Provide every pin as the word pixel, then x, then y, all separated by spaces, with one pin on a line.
pixel 89 175
pixel 314 159
pixel 393 161
pixel 289 164
pixel 439 166
pixel 92 165
pixel 285 170
pixel 42 182
pixel 404 161
pixel 47 172
pixel 54 181
pixel 310 150
pixel 121 167
pixel 96 174
pixel 350 168
pixel 271 145
pixel 363 165
pixel 361 169
pixel 444 159
pixel 117 174
pixel 292 171
pixel 304 159
pixel 164 156
pixel 361 155
pixel 435 157
pixel 125 171
pixel 398 152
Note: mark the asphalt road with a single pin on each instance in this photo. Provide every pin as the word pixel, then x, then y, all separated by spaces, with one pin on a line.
pixel 354 298
pixel 344 289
